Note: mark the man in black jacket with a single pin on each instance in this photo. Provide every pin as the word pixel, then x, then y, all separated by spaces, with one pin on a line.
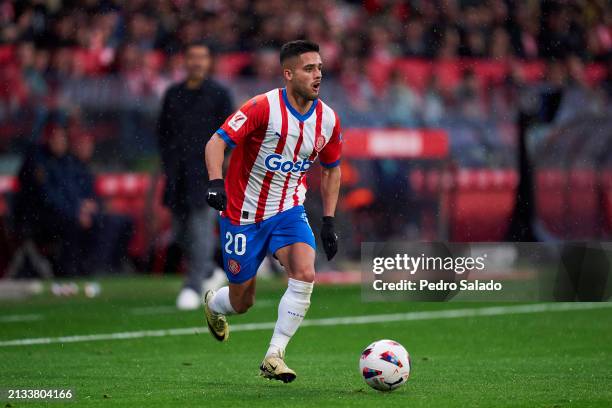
pixel 192 110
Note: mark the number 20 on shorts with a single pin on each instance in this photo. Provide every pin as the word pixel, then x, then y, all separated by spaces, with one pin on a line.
pixel 238 242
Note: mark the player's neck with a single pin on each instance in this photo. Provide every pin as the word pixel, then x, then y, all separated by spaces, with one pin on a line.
pixel 194 83
pixel 302 105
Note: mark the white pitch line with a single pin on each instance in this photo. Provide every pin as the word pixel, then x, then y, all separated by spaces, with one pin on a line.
pixel 333 321
pixel 157 310
pixel 20 318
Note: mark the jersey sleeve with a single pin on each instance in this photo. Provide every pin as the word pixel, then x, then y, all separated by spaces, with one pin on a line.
pixel 251 116
pixel 330 155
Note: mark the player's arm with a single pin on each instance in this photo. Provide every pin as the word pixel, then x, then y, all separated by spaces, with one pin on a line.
pixel 214 155
pixel 237 127
pixel 330 188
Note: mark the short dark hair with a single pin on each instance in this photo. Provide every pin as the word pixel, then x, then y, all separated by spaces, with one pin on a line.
pixel 198 43
pixel 296 48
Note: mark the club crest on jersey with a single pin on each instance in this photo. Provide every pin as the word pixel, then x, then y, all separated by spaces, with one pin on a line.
pixel 319 142
pixel 233 266
pixel 274 162
pixel 237 120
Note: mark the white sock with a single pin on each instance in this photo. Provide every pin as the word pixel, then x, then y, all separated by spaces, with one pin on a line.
pixel 220 303
pixel 291 311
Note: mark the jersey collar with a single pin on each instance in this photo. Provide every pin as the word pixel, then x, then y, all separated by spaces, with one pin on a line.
pixel 294 112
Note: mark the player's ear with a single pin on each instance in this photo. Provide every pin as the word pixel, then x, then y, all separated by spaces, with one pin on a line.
pixel 287 74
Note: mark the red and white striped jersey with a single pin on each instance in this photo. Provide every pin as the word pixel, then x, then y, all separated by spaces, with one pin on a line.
pixel 274 147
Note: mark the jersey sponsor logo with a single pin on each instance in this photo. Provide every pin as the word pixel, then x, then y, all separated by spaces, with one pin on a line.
pixel 319 142
pixel 274 162
pixel 237 120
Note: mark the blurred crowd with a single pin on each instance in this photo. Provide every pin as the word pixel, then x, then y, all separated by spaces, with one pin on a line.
pixel 105 54
pixel 345 29
pixel 110 61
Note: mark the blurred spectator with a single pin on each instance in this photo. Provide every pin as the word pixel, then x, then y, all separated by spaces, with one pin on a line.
pixel 552 90
pixel 264 66
pixel 578 98
pixel 475 44
pixel 49 207
pixel 433 103
pixel 500 47
pixel 524 33
pixel 360 94
pixel 191 112
pixel 415 42
pixel 468 100
pixel 33 64
pixel 403 103
pixel 110 233
pixel 449 45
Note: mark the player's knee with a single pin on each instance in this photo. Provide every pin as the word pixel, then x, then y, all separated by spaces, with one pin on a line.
pixel 304 274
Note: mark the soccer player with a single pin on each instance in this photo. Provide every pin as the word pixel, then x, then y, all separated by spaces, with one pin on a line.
pixel 276 137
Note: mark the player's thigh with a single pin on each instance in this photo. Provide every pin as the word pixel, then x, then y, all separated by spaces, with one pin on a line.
pixel 298 260
pixel 243 250
pixel 293 244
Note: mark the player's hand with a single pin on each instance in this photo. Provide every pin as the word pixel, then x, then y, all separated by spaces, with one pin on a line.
pixel 215 194
pixel 329 237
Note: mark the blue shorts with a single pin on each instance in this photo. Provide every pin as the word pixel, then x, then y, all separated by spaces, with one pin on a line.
pixel 244 247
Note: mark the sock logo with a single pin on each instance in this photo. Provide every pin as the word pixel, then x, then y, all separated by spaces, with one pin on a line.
pixel 295 314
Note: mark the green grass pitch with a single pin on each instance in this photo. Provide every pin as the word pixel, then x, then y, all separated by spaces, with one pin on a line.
pixel 544 359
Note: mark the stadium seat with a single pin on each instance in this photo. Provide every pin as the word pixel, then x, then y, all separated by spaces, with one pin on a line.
pixel 550 199
pixel 606 186
pixel 470 220
pixel 129 194
pixel 582 218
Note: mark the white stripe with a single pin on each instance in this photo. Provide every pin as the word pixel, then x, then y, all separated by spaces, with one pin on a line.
pixel 328 123
pixel 268 145
pixel 278 179
pixel 20 318
pixel 334 321
pixel 303 154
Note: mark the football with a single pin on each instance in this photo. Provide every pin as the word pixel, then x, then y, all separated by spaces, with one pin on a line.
pixel 385 365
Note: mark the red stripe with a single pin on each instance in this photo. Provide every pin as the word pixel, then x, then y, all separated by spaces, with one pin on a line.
pixel 296 152
pixel 265 188
pixel 241 164
pixel 313 155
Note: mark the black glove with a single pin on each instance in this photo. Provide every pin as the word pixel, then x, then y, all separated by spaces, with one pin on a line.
pixel 329 237
pixel 215 194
